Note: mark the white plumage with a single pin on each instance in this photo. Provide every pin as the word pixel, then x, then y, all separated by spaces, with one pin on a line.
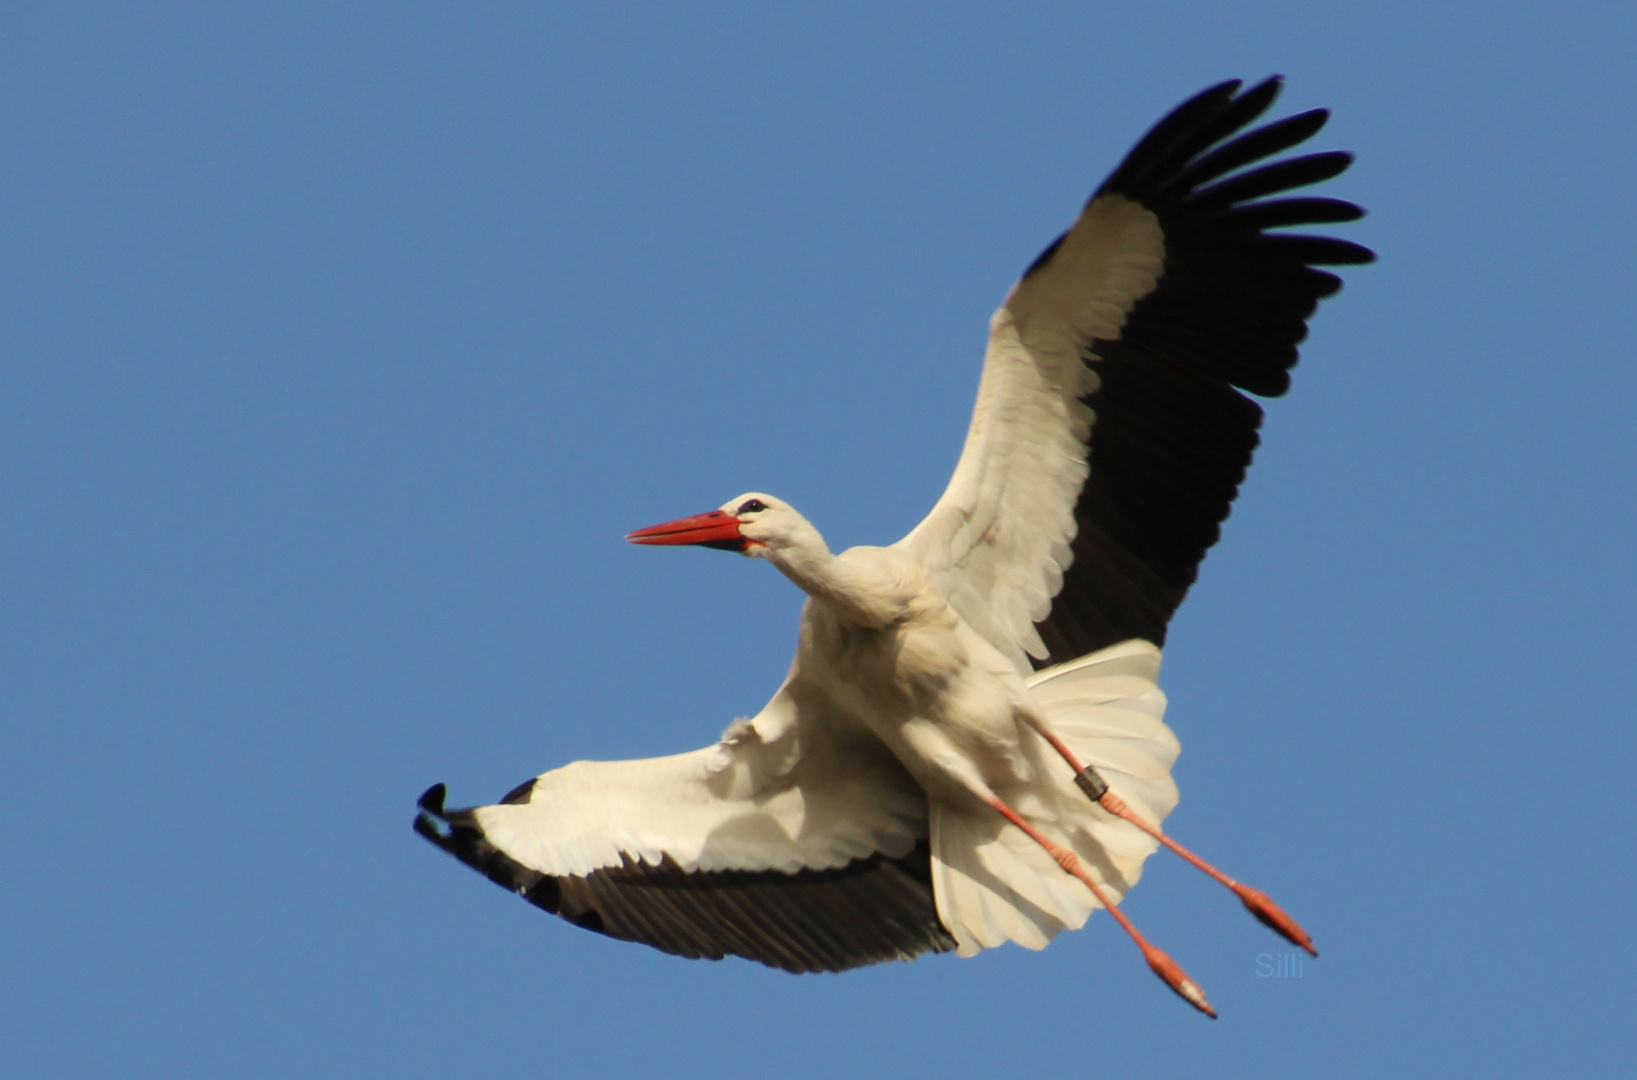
pixel 995 885
pixel 916 784
pixel 997 543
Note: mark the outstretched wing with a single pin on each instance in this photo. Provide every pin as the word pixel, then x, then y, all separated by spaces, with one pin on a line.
pixel 1112 429
pixel 779 844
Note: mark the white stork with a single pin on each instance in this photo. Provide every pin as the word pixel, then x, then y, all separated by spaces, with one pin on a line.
pixel 969 748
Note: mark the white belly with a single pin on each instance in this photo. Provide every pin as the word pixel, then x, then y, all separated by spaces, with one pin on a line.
pixel 944 700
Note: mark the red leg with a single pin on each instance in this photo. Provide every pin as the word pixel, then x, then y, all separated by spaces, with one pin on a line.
pixel 1257 902
pixel 1162 964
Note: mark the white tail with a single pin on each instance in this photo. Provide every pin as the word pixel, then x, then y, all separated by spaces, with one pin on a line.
pixel 992 883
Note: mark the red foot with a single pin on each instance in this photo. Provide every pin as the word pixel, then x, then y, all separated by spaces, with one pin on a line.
pixel 1177 979
pixel 1166 968
pixel 1258 903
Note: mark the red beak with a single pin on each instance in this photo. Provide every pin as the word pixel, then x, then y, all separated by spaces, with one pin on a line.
pixel 717 529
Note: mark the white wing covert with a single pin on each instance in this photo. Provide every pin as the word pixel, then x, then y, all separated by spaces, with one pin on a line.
pixel 778 843
pixel 1111 432
pixel 998 540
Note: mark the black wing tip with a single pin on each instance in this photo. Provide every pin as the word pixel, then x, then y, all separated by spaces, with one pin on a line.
pixel 428 829
pixel 1226 89
pixel 521 794
pixel 1190 129
pixel 1205 139
pixel 1345 253
pixel 456 833
pixel 1258 97
pixel 1303 126
pixel 432 822
pixel 431 799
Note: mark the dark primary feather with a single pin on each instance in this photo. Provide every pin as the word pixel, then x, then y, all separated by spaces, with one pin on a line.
pixel 868 911
pixel 1174 431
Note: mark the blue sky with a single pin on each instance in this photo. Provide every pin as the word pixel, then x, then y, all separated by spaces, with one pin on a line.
pixel 341 346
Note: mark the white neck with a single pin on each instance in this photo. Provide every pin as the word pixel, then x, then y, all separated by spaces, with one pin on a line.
pixel 805 558
pixel 867 587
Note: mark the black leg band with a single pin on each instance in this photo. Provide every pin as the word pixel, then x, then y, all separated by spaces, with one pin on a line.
pixel 1092 784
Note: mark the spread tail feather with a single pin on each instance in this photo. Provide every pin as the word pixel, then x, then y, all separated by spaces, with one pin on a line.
pixel 992 883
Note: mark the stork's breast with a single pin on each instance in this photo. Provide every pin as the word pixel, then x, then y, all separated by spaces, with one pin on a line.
pixel 930 658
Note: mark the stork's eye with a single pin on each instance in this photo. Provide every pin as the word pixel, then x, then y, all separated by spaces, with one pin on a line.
pixel 751 506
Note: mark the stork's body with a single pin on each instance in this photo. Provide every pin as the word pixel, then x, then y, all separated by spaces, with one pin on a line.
pixel 884 650
pixel 969 748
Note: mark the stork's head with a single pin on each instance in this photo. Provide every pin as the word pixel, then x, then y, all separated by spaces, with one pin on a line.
pixel 753 524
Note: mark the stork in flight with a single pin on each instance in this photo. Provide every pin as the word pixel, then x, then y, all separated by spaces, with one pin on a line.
pixel 969 748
